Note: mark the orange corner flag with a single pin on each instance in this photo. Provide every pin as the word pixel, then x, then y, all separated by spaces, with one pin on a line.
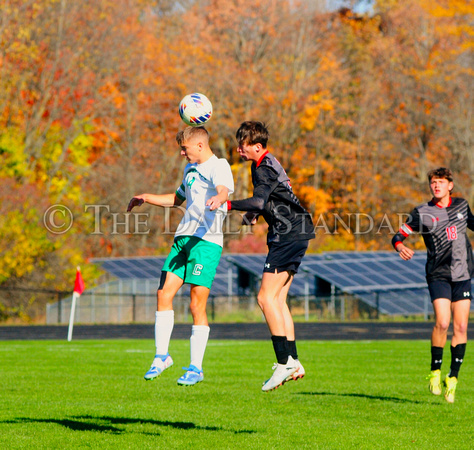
pixel 79 284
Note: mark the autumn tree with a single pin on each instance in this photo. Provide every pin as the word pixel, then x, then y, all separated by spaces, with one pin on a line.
pixel 359 106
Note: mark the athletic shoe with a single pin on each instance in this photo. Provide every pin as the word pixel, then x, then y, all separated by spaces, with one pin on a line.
pixel 300 372
pixel 450 383
pixel 192 376
pixel 281 372
pixel 435 382
pixel 160 363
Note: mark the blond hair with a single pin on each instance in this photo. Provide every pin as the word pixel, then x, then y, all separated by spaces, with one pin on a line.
pixel 190 133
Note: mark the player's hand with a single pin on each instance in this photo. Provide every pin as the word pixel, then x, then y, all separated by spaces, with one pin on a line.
pixel 249 218
pixel 405 252
pixel 213 203
pixel 135 201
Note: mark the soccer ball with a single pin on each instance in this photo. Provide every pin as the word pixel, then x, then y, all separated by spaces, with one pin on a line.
pixel 195 109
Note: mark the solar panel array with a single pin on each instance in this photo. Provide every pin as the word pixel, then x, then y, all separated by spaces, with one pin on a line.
pixel 369 271
pixel 380 279
pixel 225 282
pixel 126 268
pixel 399 302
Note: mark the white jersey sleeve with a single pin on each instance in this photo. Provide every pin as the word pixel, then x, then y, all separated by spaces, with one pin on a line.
pixel 222 175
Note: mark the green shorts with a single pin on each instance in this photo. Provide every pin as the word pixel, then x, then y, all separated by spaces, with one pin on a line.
pixel 193 260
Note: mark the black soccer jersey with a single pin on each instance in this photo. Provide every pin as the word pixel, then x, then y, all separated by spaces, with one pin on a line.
pixel 273 198
pixel 444 232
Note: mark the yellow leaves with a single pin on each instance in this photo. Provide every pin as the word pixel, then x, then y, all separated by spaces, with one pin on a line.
pixel 453 19
pixel 318 103
pixel 22 243
pixel 329 243
pixel 80 149
pixel 449 8
pixel 58 183
pixel 13 161
pixel 318 200
pixel 24 33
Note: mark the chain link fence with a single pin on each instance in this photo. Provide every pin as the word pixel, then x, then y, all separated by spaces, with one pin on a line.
pixel 127 307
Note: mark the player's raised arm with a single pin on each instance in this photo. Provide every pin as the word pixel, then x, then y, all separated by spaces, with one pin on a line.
pixel 265 181
pixel 164 200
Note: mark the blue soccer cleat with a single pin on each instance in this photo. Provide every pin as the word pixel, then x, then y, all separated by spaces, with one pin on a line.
pixel 159 364
pixel 192 376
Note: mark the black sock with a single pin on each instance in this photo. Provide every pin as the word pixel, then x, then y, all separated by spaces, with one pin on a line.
pixel 280 345
pixel 457 356
pixel 436 358
pixel 292 349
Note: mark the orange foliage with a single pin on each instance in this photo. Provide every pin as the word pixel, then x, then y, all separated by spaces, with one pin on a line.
pixel 359 108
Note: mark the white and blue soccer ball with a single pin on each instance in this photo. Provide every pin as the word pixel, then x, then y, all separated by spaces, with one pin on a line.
pixel 195 109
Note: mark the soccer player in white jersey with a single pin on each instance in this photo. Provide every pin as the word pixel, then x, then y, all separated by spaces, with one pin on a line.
pixel 196 251
pixel 449 268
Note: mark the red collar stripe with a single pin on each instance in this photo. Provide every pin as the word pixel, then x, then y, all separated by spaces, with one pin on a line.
pixel 449 204
pixel 261 157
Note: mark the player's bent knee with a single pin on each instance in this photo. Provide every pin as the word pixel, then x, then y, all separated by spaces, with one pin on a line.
pixel 197 307
pixel 164 300
pixel 264 302
pixel 442 326
pixel 460 329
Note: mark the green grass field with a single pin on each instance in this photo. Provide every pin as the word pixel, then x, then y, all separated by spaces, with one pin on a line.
pixel 91 394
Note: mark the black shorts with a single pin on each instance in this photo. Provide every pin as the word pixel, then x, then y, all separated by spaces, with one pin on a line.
pixel 452 290
pixel 285 256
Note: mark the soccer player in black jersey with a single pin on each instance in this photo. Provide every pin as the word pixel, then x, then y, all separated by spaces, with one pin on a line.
pixel 289 230
pixel 449 268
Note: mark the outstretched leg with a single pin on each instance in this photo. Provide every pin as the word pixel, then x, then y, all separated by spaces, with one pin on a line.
pixel 272 301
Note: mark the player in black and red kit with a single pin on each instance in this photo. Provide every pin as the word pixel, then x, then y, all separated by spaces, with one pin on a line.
pixel 443 222
pixel 289 230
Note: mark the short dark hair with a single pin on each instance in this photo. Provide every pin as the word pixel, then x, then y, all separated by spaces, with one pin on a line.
pixel 252 132
pixel 440 172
